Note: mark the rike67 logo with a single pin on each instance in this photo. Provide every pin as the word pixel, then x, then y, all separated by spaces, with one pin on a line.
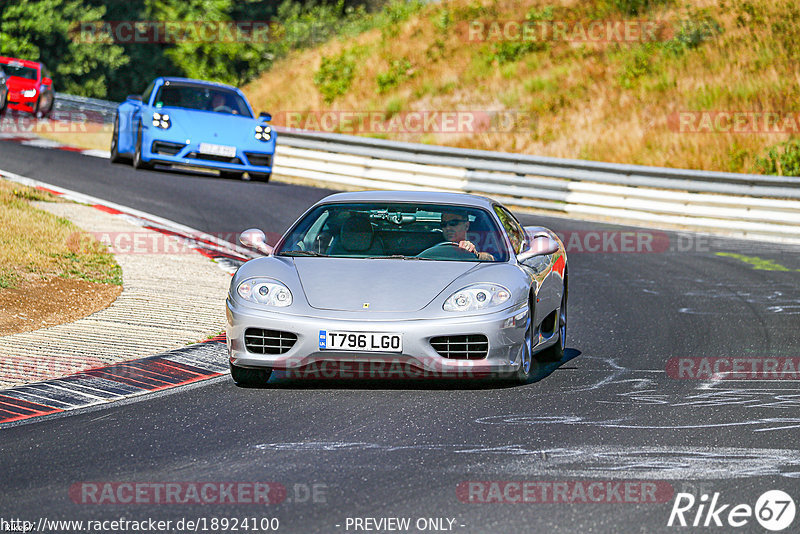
pixel 774 510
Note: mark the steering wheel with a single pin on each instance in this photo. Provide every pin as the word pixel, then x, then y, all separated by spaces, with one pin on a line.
pixel 447 250
pixel 223 109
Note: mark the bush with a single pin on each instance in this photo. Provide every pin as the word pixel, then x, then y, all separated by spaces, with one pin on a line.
pixel 693 32
pixel 632 7
pixel 335 74
pixel 399 70
pixel 637 65
pixel 782 159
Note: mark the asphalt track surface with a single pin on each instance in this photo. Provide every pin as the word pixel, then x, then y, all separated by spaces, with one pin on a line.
pixel 607 413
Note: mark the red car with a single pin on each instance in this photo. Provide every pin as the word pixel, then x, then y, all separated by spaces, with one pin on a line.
pixel 29 86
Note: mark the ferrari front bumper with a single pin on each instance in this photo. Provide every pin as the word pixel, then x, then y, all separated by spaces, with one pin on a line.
pixel 505 331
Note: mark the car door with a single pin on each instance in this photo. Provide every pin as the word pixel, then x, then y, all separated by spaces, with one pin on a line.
pixel 548 296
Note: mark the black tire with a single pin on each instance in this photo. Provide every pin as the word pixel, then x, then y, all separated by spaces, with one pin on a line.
pixel 527 364
pixel 250 377
pixel 555 352
pixel 114 149
pixel 138 163
pixel 260 176
pixel 231 175
pixel 5 104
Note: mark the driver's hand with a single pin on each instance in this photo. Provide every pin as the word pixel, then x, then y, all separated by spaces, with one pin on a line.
pixel 468 246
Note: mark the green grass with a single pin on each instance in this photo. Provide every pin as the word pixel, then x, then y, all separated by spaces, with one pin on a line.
pixel 35 243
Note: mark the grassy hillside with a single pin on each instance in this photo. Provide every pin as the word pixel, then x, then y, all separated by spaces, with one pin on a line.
pixel 600 100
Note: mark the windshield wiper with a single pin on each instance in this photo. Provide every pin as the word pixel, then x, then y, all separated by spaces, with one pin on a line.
pixel 396 257
pixel 303 253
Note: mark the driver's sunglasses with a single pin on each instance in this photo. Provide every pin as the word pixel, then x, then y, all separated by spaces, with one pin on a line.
pixel 452 222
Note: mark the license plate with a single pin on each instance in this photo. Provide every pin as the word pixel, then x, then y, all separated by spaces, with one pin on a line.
pixel 218 150
pixel 360 341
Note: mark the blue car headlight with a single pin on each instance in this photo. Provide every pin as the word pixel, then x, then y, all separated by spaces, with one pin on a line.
pixel 477 297
pixel 161 120
pixel 263 132
pixel 265 291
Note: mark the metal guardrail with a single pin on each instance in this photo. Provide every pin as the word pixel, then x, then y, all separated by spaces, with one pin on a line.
pixel 749 205
pixel 65 102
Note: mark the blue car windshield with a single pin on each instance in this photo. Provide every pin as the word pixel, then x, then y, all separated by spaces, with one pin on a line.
pixel 397 230
pixel 201 97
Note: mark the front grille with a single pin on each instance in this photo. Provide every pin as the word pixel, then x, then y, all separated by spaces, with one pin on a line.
pixel 209 157
pixel 262 341
pixel 257 159
pixel 167 148
pixel 469 347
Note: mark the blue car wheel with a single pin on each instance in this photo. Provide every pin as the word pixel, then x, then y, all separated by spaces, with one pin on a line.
pixel 138 162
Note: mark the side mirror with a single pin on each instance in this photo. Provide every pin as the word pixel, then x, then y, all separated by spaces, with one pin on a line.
pixel 264 115
pixel 540 245
pixel 47 81
pixel 135 97
pixel 255 238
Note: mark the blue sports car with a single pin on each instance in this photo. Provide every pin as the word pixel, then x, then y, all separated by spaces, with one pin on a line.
pixel 178 121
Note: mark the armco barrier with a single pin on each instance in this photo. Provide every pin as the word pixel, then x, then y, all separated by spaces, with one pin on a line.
pixel 747 205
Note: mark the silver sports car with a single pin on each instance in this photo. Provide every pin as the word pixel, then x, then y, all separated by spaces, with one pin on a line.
pixel 399 284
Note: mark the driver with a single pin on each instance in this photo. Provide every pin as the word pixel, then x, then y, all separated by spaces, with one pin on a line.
pixel 454 228
pixel 219 103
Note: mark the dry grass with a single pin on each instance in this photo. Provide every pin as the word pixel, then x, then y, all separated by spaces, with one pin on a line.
pixel 97 140
pixel 36 245
pixel 588 100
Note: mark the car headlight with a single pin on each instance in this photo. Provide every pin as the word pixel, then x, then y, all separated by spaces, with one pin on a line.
pixel 263 133
pixel 161 120
pixel 28 93
pixel 477 297
pixel 265 291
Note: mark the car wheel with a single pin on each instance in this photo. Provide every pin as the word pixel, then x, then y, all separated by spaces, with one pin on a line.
pixel 250 377
pixel 40 112
pixel 5 103
pixel 138 162
pixel 556 352
pixel 526 365
pixel 115 157
pixel 231 175
pixel 260 176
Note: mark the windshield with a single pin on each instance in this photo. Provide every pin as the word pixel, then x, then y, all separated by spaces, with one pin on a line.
pixel 16 69
pixel 402 230
pixel 202 98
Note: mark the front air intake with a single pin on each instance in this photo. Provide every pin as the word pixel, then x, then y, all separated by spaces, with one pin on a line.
pixel 467 347
pixel 260 341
